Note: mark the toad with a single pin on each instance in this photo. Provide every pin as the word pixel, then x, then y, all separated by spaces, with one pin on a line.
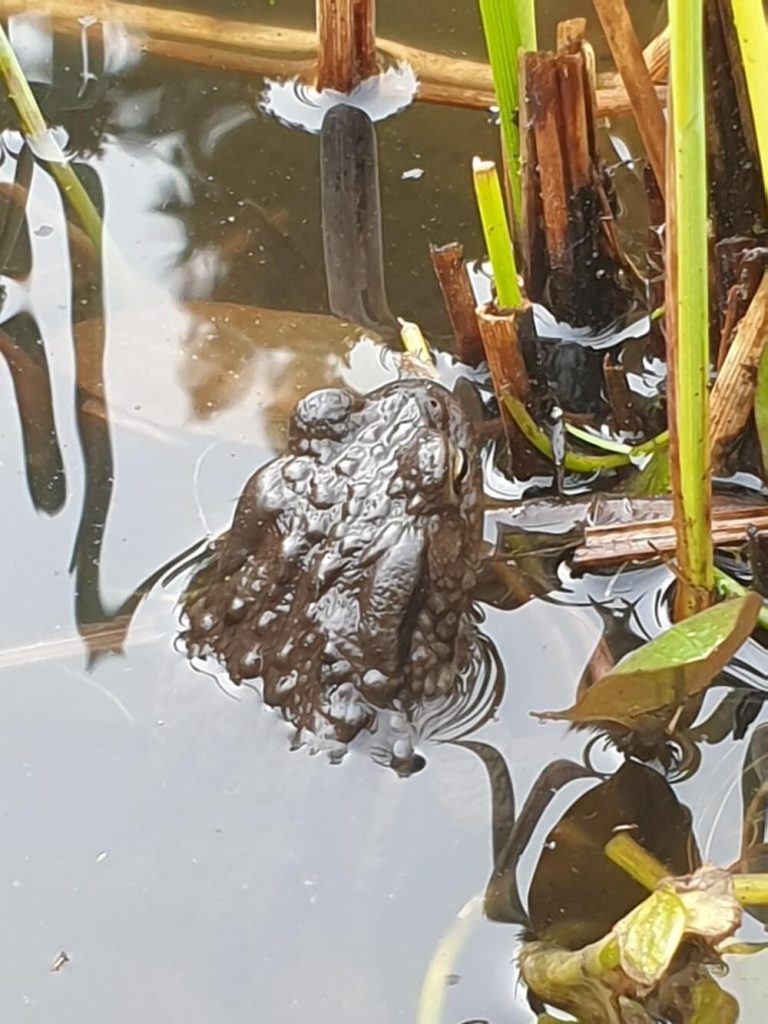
pixel 344 582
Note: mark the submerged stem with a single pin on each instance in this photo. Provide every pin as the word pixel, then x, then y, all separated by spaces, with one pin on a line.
pixel 37 132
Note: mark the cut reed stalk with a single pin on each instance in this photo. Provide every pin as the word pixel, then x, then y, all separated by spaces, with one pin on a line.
pixel 456 288
pixel 501 334
pixel 335 45
pixel 542 106
pixel 346 38
pixel 686 310
pixel 634 72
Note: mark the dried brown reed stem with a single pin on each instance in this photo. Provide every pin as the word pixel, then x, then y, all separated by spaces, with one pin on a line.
pixel 639 541
pixel 501 338
pixel 571 256
pixel 634 72
pixel 258 49
pixel 656 58
pixel 739 280
pixel 501 333
pixel 733 394
pixel 452 276
pixel 346 43
pixel 542 105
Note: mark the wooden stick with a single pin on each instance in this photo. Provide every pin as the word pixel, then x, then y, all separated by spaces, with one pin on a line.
pixel 628 56
pixel 452 276
pixel 733 395
pixel 263 50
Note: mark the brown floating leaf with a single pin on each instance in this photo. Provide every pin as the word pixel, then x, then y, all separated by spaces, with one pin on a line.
pixel 669 669
pixel 576 894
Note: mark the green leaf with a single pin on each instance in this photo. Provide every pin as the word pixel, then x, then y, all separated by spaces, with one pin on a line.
pixel 576 895
pixel 672 667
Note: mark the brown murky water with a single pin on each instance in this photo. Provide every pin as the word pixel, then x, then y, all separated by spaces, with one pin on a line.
pixel 156 826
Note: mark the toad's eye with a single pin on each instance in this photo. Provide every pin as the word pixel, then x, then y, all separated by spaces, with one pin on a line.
pixel 435 409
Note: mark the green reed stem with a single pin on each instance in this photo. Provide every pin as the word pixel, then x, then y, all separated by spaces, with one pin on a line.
pixel 496 231
pixel 36 130
pixel 577 462
pixel 752 31
pixel 688 333
pixel 623 850
pixel 509 26
pixel 632 858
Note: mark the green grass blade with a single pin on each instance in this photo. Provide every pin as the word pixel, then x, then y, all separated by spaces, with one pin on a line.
pixel 509 26
pixel 752 30
pixel 496 231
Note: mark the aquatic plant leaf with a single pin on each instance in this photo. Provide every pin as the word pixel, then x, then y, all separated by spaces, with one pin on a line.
pixel 761 408
pixel 666 671
pixel 627 975
pixel 708 894
pixel 576 894
pixel 510 834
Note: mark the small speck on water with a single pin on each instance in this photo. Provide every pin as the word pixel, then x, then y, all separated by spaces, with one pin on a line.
pixel 101 856
pixel 58 963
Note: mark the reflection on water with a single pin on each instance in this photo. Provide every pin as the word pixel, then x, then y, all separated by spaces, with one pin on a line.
pixel 161 834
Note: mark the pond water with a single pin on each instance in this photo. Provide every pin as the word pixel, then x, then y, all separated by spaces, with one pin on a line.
pixel 157 827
